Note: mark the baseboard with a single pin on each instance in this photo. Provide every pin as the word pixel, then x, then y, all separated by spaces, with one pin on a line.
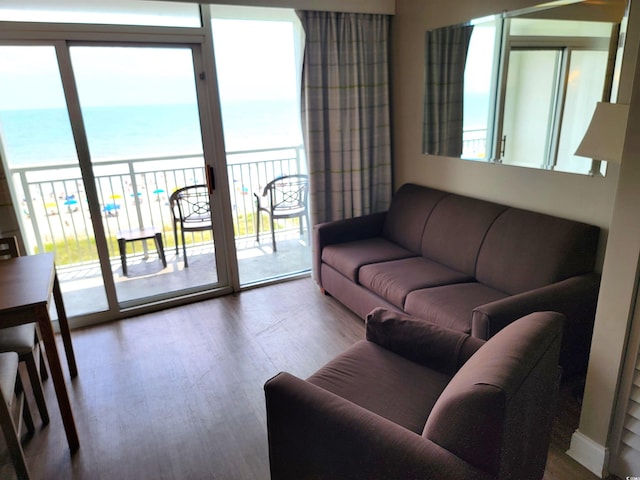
pixel 589 454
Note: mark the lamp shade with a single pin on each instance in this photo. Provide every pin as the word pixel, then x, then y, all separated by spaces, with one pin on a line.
pixel 604 139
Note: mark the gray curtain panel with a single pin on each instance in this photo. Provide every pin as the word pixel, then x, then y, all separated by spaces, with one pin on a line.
pixel 445 58
pixel 346 113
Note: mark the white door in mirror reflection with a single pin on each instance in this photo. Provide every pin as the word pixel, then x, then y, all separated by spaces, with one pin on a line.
pixel 548 96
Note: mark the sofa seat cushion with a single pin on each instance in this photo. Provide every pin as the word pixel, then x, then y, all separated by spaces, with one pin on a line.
pixel 347 258
pixel 451 305
pixel 384 383
pixel 395 279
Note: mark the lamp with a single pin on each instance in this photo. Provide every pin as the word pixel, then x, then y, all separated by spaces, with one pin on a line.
pixel 604 138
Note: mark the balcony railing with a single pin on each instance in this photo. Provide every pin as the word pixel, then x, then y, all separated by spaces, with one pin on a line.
pixel 134 193
pixel 474 144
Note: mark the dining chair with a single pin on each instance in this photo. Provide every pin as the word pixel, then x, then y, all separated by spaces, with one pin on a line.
pixel 9 249
pixel 191 210
pixel 25 341
pixel 13 406
pixel 286 198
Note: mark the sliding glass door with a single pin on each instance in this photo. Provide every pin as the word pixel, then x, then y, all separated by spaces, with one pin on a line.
pixel 96 140
pixel 140 113
pixel 258 55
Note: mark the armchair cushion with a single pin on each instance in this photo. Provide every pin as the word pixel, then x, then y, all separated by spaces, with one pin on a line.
pixel 384 383
pixel 425 343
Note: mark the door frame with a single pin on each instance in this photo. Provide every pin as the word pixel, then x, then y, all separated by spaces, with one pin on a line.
pixel 199 40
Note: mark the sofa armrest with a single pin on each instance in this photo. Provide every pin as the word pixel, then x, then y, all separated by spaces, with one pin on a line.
pixel 342 231
pixel 575 297
pixel 316 434
pixel 420 341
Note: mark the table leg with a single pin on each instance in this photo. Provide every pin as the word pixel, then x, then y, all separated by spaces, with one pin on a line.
pixel 160 248
pixel 65 333
pixel 122 246
pixel 46 330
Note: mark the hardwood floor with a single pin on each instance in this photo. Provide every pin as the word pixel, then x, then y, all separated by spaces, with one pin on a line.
pixel 178 394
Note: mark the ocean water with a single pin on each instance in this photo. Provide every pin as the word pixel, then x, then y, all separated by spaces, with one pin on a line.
pixel 43 136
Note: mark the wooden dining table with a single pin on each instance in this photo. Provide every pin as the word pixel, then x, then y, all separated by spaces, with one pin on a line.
pixel 27 285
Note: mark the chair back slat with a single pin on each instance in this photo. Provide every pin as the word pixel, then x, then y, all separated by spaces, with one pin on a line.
pixel 9 248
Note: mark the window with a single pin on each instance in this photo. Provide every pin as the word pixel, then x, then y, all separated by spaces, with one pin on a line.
pixel 549 97
pixel 530 89
pixel 481 73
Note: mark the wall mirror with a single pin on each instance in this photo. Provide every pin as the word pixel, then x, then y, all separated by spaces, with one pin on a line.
pixel 520 88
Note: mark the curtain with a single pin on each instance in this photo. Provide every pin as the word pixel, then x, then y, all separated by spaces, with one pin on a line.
pixel 346 113
pixel 445 58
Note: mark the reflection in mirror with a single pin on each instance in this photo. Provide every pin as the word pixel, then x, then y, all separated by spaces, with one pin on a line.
pixel 531 81
pixel 480 80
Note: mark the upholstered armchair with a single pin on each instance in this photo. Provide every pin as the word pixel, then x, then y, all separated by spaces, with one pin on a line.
pixel 419 401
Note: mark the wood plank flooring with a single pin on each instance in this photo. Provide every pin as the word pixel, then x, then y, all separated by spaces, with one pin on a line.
pixel 178 395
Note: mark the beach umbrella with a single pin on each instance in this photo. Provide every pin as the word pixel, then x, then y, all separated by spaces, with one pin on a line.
pixel 116 196
pixel 51 208
pixel 110 207
pixel 158 191
pixel 70 201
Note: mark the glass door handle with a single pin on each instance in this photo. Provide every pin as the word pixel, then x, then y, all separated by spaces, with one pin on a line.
pixel 211 179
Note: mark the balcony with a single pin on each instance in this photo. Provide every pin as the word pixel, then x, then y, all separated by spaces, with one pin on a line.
pixel 135 193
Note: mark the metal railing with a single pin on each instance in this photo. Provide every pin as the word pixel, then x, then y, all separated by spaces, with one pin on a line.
pixel 135 193
pixel 474 144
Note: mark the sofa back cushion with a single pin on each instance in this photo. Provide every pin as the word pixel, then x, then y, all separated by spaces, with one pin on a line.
pixel 524 250
pixel 409 210
pixel 497 411
pixel 455 231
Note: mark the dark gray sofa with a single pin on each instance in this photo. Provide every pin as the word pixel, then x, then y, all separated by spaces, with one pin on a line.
pixel 416 401
pixel 464 263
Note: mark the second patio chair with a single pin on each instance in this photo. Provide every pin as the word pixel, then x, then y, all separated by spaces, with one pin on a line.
pixel 191 210
pixel 287 198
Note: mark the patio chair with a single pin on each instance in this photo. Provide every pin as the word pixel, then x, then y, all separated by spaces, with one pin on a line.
pixel 25 341
pixel 287 198
pixel 11 408
pixel 190 208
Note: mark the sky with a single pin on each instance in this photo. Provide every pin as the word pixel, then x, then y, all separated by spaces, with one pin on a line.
pixel 254 60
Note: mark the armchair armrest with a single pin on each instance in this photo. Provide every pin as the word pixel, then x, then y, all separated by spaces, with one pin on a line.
pixel 575 297
pixel 342 231
pixel 316 434
pixel 420 341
